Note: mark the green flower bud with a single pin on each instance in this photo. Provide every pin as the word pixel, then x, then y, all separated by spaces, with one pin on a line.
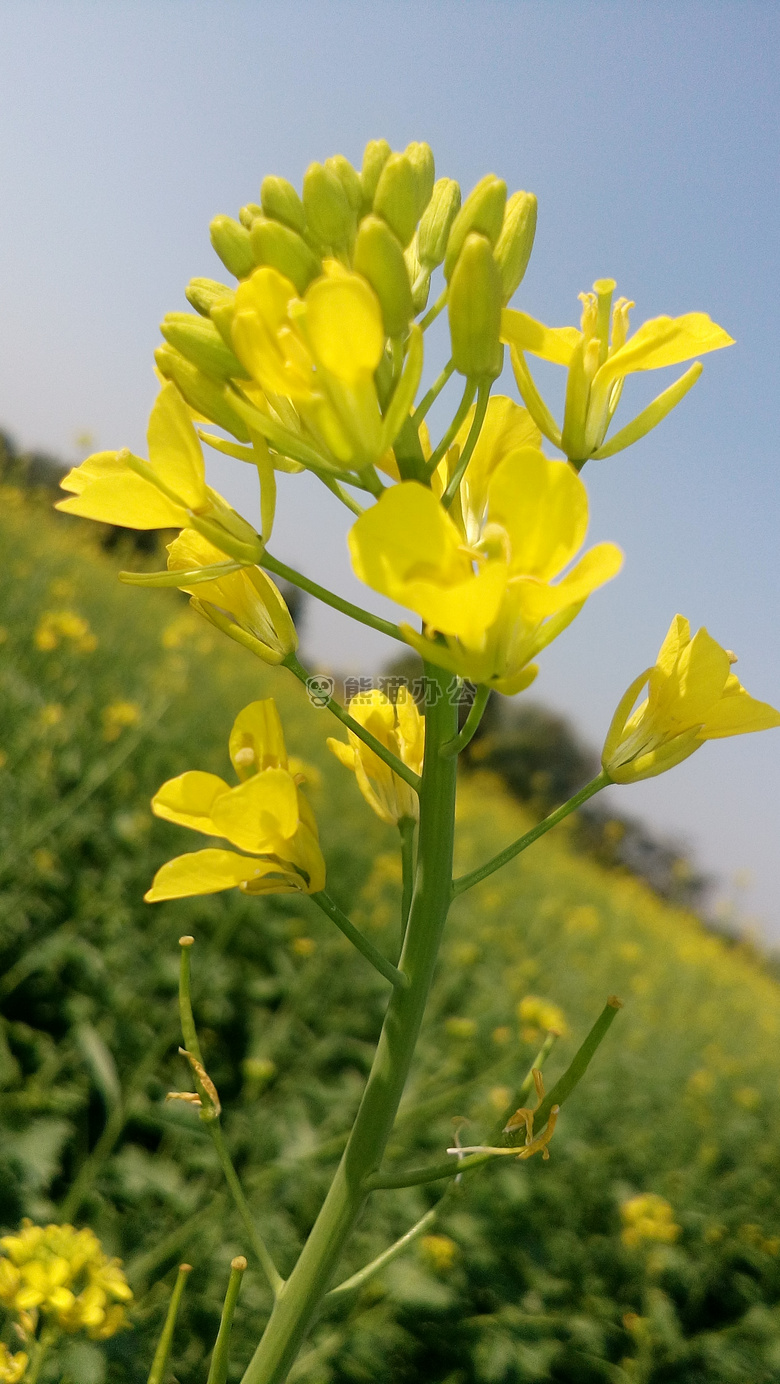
pixel 419 277
pixel 329 216
pixel 248 213
pixel 516 241
pixel 420 157
pixel 397 195
pixel 231 242
pixel 222 314
pixel 474 304
pixel 204 294
pixel 204 395
pixel 375 156
pixel 437 222
pixel 482 211
pixel 199 342
pixel 380 259
pixel 280 202
pixel 349 179
pixel 286 251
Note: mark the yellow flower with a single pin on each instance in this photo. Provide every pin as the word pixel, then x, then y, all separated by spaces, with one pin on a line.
pixel 598 362
pixel 168 491
pixel 692 697
pixel 489 607
pixel 314 359
pixel 63 1274
pixel 539 1016
pixel 401 729
pixel 56 626
pixel 266 814
pixel 506 428
pixel 648 1217
pixel 245 604
pixel 12 1367
pixel 117 717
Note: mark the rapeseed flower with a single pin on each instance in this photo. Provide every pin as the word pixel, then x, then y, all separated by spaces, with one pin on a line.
pixel 12 1367
pixel 648 1217
pixel 692 697
pixel 266 815
pixel 62 1274
pixel 401 729
pixel 599 356
pixel 56 627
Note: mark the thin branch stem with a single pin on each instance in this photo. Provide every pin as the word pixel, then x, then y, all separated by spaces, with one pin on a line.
pixel 433 312
pixel 469 390
pixel 329 598
pixel 459 886
pixel 406 827
pixel 366 948
pixel 453 484
pixel 160 1362
pixel 470 725
pixel 435 390
pixel 256 1241
pixel 351 1285
pixel 341 494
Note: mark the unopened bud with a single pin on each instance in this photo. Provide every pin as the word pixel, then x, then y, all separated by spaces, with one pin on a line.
pixel 280 202
pixel 482 211
pixel 248 213
pixel 419 278
pixel 329 216
pixel 204 395
pixel 474 305
pixel 231 242
pixel 516 241
pixel 349 179
pixel 420 157
pixel 283 249
pixel 199 342
pixel 375 156
pixel 396 197
pixel 437 222
pixel 380 259
pixel 204 294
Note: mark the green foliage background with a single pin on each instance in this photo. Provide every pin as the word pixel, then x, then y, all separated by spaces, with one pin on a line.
pixel 682 1100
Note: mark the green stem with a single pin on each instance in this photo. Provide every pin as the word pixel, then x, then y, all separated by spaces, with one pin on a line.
pixel 218 1370
pixel 351 1285
pixel 469 390
pixel 433 393
pixel 160 1361
pixel 406 827
pixel 341 494
pixel 392 761
pixel 275 1280
pixel 580 1062
pixel 369 951
pixel 298 1304
pixel 459 886
pixel 186 1018
pixel 453 484
pixel 471 723
pixel 364 617
pixel 433 312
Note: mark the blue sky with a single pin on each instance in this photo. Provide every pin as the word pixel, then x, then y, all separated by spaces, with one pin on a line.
pixel 649 133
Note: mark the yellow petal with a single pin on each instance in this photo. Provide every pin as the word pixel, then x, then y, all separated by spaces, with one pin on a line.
pixel 506 428
pixel 264 338
pixel 344 753
pixel 664 341
pixel 257 729
pixel 174 449
pixel 557 344
pixel 538 600
pixel 117 495
pixel 258 813
pixel 205 872
pixel 678 636
pixel 543 506
pixel 344 326
pixel 695 684
pixel 189 800
pixel 737 713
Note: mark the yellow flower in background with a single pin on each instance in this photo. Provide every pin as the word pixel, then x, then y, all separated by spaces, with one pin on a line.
pixel 266 815
pixel 245 604
pixel 117 717
pixel 599 357
pixel 692 696
pixel 648 1217
pixel 488 607
pixel 168 491
pixel 538 1016
pixel 401 729
pixel 12 1367
pixel 63 1274
pixel 57 627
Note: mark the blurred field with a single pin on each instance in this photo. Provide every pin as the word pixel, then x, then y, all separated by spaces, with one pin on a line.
pixel 105 692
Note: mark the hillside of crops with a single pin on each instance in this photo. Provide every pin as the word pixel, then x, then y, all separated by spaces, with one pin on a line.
pixel 539 1271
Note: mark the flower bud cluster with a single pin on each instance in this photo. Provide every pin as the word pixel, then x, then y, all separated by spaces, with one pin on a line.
pixel 62 1274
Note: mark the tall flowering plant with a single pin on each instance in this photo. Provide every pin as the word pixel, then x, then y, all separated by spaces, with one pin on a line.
pixel 313 359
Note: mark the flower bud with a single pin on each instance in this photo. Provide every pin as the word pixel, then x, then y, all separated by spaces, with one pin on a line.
pixel 483 211
pixel 475 311
pixel 420 157
pixel 375 156
pixel 380 259
pixel 397 196
pixel 277 245
pixel 245 605
pixel 349 179
pixel 516 241
pixel 204 294
pixel 437 221
pixel 329 216
pixel 231 242
pixel 419 277
pixel 199 342
pixel 248 213
pixel 204 395
pixel 280 202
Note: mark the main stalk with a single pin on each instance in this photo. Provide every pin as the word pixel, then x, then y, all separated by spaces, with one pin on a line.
pixel 303 1292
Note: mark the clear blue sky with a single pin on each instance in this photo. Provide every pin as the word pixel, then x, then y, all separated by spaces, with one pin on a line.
pixel 649 132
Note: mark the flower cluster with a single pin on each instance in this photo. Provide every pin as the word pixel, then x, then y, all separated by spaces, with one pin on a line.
pixel 57 627
pixel 12 1367
pixel 63 1275
pixel 648 1217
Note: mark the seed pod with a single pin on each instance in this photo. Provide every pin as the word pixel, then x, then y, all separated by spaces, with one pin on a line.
pixel 231 242
pixel 437 222
pixel 380 259
pixel 204 294
pixel 516 241
pixel 199 342
pixel 396 197
pixel 375 156
pixel 204 395
pixel 474 305
pixel 482 211
pixel 349 179
pixel 280 202
pixel 329 216
pixel 248 213
pixel 286 251
pixel 420 157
